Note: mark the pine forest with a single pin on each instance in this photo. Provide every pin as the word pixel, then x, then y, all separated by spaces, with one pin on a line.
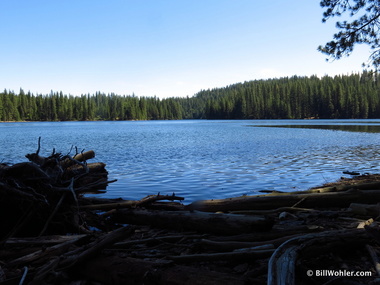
pixel 355 96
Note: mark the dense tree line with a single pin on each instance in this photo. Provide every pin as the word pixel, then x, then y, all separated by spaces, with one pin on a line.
pixel 339 97
pixel 60 107
pixel 351 96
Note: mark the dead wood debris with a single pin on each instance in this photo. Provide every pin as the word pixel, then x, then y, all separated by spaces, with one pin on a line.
pixel 52 234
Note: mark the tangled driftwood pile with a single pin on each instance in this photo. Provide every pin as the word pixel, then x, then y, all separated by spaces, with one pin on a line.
pixel 37 197
pixel 51 234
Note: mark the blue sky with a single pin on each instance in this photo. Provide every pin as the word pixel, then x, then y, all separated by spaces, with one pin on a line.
pixel 164 48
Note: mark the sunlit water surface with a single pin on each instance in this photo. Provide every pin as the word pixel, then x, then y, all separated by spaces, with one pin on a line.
pixel 200 159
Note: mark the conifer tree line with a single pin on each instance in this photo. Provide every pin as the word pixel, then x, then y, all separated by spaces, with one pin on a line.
pixel 339 97
pixel 60 107
pixel 355 96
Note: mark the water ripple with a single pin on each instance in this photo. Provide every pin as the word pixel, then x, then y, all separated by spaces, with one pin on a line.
pixel 203 159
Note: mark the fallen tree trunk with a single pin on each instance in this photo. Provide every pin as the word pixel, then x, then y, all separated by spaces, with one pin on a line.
pixel 228 256
pixel 365 209
pixel 282 264
pixel 43 240
pixel 85 155
pixel 232 245
pixel 96 246
pixel 118 270
pixel 205 222
pixel 54 250
pixel 268 202
pixel 147 201
pixel 340 188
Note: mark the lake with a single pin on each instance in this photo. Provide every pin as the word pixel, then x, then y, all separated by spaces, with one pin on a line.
pixel 200 159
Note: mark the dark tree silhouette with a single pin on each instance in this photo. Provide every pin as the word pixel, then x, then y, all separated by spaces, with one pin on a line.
pixel 363 28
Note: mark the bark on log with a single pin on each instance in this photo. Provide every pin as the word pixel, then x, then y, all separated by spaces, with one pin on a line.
pixel 281 267
pixel 96 246
pixel 110 206
pixel 43 240
pixel 232 245
pixel 340 188
pixel 365 209
pixel 224 256
pixel 85 155
pixel 374 257
pixel 204 222
pixel 267 202
pixel 172 239
pixel 79 169
pixel 112 270
pixel 273 211
pixel 275 233
pixel 43 253
pixel 132 203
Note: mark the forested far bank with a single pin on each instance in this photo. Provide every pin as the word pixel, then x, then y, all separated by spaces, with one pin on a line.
pixel 100 106
pixel 339 97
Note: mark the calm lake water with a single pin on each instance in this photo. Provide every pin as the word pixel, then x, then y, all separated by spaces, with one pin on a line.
pixel 200 159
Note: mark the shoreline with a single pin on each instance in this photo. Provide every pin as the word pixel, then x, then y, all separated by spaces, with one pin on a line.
pixel 236 240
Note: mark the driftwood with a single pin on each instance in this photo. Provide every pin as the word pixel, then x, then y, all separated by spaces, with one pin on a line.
pixel 93 248
pixel 39 196
pixel 232 246
pixel 42 240
pixel 199 221
pixel 145 202
pixel 268 202
pixel 375 258
pixel 250 254
pixel 175 238
pixel 372 210
pixel 53 250
pixel 84 155
pixel 282 264
pixel 127 270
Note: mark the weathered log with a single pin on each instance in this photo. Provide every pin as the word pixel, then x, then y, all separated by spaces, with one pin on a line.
pixel 232 245
pixel 110 206
pixel 94 186
pixel 365 209
pixel 267 202
pixel 131 203
pixel 110 270
pixel 43 240
pixel 54 250
pixel 153 198
pixel 85 155
pixel 364 224
pixel 282 264
pixel 93 248
pixel 275 233
pixel 77 169
pixel 273 211
pixel 2 275
pixel 173 238
pixel 374 231
pixel 26 170
pixel 199 221
pixel 339 188
pixel 374 257
pixel 44 270
pixel 166 206
pixel 250 254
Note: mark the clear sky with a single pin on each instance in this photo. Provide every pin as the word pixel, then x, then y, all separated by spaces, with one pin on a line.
pixel 164 48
